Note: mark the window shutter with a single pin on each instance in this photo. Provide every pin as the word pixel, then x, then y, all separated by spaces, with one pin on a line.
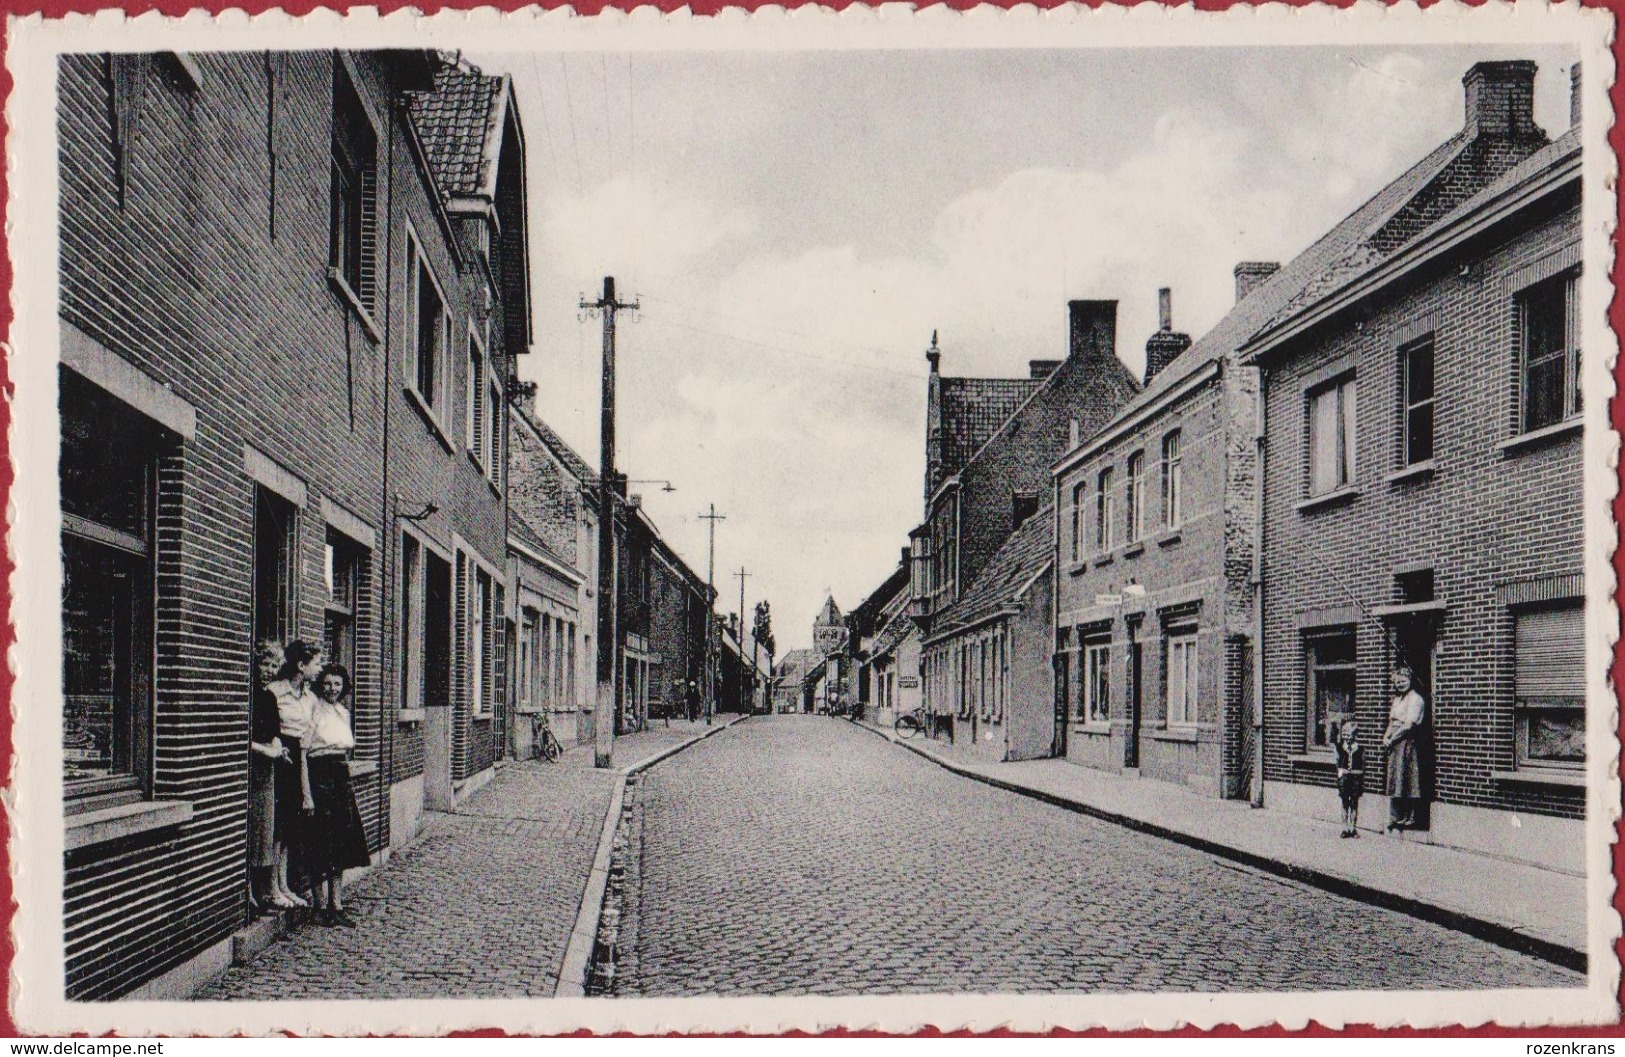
pixel 1550 647
pixel 369 232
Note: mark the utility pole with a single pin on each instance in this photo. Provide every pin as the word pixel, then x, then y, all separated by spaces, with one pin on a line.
pixel 710 614
pixel 745 679
pixel 609 630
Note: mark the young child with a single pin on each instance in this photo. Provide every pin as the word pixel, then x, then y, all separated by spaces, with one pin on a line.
pixel 1350 775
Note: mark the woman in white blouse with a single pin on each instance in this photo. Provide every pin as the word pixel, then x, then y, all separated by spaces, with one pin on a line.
pixel 337 841
pixel 294 705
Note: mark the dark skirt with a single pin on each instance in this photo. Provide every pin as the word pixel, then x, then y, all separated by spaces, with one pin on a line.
pixel 1404 769
pixel 334 840
pixel 290 802
pixel 262 810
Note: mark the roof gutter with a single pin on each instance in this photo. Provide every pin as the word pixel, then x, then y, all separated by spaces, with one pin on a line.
pixel 1435 244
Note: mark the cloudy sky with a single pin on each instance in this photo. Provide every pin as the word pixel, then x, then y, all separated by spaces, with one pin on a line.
pixel 796 225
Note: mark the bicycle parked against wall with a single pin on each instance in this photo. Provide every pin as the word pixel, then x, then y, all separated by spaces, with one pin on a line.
pixel 544 745
pixel 911 723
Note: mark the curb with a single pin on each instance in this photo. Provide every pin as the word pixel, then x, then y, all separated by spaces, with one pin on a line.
pixel 572 982
pixel 1489 931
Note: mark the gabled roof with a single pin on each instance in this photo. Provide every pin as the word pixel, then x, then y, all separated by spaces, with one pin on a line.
pixel 893 635
pixel 520 532
pixel 459 123
pixel 1364 236
pixel 867 614
pixel 573 463
pixel 1023 558
pixel 830 614
pixel 972 411
pixel 1329 296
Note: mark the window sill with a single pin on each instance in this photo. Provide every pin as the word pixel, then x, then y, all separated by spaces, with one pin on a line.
pixel 353 302
pixel 1415 473
pixel 409 715
pixel 1314 759
pixel 1169 538
pixel 1134 550
pixel 475 460
pixel 358 768
pixel 483 717
pixel 1341 495
pixel 1077 568
pixel 430 419
pixel 492 485
pixel 1099 730
pixel 1535 776
pixel 90 828
pixel 1185 734
pixel 1537 437
pixel 1103 559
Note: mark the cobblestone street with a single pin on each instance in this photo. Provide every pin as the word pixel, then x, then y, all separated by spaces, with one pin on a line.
pixel 798 855
pixel 481 905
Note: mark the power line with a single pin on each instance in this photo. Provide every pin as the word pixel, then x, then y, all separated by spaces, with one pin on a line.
pixel 570 112
pixel 547 128
pixel 769 326
pixel 782 349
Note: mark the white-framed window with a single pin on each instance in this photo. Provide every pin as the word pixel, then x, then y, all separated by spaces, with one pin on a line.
pixel 1181 678
pixel 474 414
pixel 429 332
pixel 1094 693
pixel 1549 352
pixel 1417 401
pixel 525 665
pixel 1330 659
pixel 1331 435
pixel 1172 482
pixel 354 192
pixel 1077 520
pixel 493 431
pixel 1135 498
pixel 1105 513
pixel 1549 686
pixel 343 569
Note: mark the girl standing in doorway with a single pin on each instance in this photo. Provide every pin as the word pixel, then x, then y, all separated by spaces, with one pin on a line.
pixel 295 704
pixel 337 841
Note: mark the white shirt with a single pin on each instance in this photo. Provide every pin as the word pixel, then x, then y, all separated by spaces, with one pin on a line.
pixel 1406 711
pixel 330 728
pixel 293 710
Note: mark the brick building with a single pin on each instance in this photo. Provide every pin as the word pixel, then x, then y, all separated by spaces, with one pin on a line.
pixel 1422 493
pixel 864 624
pixel 259 257
pixel 989 447
pixel 679 600
pixel 553 497
pixel 545 651
pixel 988 658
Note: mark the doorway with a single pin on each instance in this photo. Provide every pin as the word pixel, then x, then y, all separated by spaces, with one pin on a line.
pixel 437 734
pixel 1131 739
pixel 1417 640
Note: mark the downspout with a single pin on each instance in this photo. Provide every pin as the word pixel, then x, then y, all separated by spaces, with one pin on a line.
pixel 1261 449
pixel 1057 744
pixel 386 722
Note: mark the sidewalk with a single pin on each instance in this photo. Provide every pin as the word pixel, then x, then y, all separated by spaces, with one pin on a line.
pixel 482 903
pixel 1536 911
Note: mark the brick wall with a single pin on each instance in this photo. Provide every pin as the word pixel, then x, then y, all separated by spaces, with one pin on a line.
pixel 1485 516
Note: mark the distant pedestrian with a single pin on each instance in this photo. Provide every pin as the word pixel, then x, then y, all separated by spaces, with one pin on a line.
pixel 1406 715
pixel 264 750
pixel 1350 775
pixel 336 840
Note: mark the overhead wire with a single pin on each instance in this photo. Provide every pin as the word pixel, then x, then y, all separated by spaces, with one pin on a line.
pixel 570 113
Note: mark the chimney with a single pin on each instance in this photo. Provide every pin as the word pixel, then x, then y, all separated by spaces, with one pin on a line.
pixel 1164 347
pixel 1094 329
pixel 933 355
pixel 1501 99
pixel 1574 96
pixel 1250 274
pixel 1041 369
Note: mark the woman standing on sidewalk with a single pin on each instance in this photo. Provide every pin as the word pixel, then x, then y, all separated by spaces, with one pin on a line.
pixel 337 841
pixel 1406 713
pixel 295 705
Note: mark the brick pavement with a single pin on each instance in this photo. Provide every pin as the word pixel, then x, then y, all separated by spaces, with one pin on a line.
pixel 480 905
pixel 800 855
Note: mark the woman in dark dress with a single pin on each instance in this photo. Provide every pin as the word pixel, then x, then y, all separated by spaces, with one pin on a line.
pixel 264 750
pixel 336 840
